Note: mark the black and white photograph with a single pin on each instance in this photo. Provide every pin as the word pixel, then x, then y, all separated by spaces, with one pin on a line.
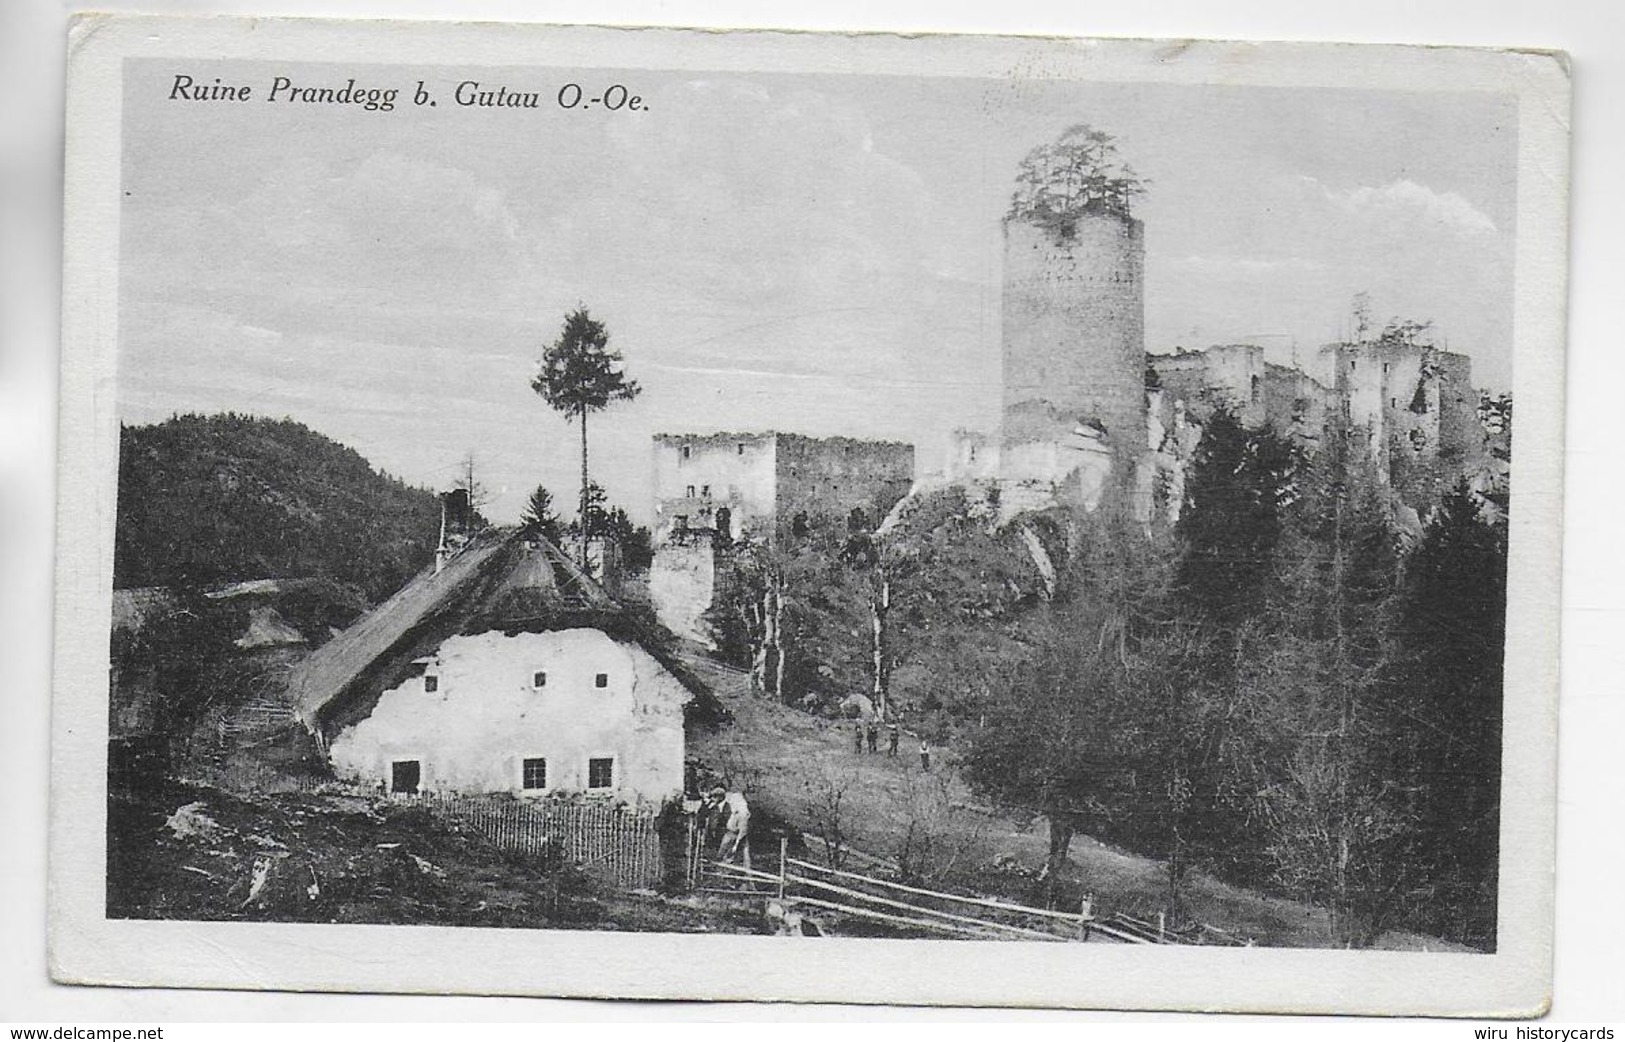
pixel 950 498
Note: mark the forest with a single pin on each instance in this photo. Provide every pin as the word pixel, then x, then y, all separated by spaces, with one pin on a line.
pixel 228 497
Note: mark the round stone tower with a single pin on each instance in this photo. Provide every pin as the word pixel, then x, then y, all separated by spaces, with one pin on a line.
pixel 1074 328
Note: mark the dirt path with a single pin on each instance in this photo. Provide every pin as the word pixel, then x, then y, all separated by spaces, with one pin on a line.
pixel 797 766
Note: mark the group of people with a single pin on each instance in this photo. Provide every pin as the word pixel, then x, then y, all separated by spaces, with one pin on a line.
pixel 732 813
pixel 866 734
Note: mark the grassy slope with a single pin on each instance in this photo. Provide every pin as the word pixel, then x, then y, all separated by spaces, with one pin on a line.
pixel 785 758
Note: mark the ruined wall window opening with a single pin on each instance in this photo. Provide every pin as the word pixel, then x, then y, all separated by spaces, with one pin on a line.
pixel 705 490
pixel 533 773
pixel 689 492
pixel 724 524
pixel 1255 387
pixel 601 772
pixel 740 449
pixel 539 678
pixel 601 680
pixel 431 683
pixel 405 776
pixel 686 451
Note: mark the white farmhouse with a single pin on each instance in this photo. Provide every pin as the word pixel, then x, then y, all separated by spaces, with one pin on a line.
pixel 503 670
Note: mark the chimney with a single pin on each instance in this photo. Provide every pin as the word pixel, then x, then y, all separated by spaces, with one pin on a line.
pixel 442 551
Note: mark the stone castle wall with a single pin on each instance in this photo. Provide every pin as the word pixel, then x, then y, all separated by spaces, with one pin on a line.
pixel 698 476
pixel 1461 433
pixel 1295 404
pixel 832 476
pixel 683 584
pixel 1232 375
pixel 1074 327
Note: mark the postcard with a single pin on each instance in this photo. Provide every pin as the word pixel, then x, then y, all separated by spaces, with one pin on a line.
pixel 652 513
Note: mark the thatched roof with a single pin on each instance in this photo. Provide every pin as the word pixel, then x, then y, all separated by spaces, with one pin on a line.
pixel 501 580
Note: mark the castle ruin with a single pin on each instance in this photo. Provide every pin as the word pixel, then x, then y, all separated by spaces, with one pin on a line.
pixel 711 490
pixel 1085 407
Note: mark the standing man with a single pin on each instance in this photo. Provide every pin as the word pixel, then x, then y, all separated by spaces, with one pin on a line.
pixel 857 737
pixel 892 737
pixel 735 839
pixel 925 754
pixel 873 729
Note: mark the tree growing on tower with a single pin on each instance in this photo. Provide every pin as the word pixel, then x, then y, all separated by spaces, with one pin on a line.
pixel 579 375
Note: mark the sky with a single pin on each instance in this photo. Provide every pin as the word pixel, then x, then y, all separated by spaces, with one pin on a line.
pixel 819 254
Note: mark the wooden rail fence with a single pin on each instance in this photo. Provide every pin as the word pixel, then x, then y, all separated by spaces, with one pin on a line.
pixel 880 900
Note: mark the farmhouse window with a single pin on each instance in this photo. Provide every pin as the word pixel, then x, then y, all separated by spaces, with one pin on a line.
pixel 601 772
pixel 741 448
pixel 539 678
pixel 534 773
pixel 601 680
pixel 404 776
pixel 431 682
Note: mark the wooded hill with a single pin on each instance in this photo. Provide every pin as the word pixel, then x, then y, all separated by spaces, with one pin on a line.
pixel 228 497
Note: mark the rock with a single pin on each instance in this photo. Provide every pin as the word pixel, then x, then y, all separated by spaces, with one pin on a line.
pixel 189 821
pixel 262 872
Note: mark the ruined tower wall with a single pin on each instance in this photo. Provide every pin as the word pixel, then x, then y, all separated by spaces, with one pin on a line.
pixel 831 476
pixel 683 584
pixel 1295 404
pixel 1074 327
pixel 696 476
pixel 1461 436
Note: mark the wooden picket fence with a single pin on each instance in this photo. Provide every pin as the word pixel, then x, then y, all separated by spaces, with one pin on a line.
pixel 618 845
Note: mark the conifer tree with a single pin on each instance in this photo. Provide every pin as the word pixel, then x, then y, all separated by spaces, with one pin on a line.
pixel 1332 725
pixel 1453 628
pixel 540 519
pixel 579 375
pixel 1240 482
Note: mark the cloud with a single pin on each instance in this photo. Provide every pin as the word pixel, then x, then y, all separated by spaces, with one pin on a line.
pixel 322 241
pixel 1405 199
pixel 1289 262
